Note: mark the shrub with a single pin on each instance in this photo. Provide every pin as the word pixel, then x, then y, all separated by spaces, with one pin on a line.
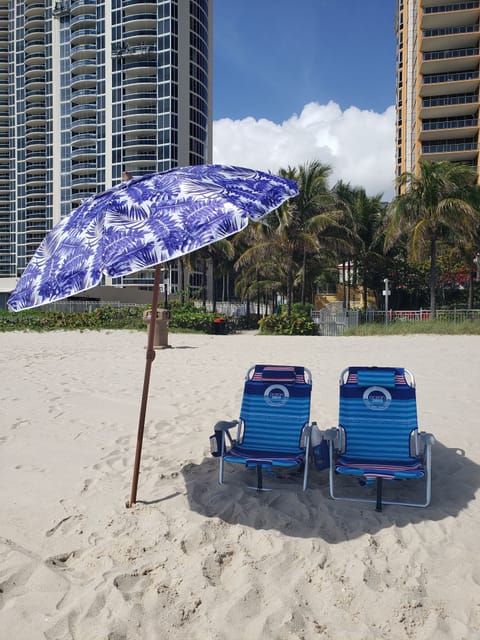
pixel 293 325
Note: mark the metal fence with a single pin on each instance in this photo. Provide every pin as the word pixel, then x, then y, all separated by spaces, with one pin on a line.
pixel 333 322
pixel 80 306
pixel 420 315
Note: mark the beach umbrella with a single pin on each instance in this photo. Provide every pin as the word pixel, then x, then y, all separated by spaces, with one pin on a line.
pixel 142 223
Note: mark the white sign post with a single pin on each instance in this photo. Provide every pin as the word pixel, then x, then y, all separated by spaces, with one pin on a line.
pixel 386 293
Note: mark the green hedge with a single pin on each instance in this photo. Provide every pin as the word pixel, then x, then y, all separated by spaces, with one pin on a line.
pixel 101 318
pixel 182 318
pixel 293 325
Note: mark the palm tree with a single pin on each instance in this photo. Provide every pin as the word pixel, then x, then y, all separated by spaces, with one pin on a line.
pixel 436 204
pixel 298 230
pixel 215 253
pixel 273 251
pixel 306 211
pixel 363 227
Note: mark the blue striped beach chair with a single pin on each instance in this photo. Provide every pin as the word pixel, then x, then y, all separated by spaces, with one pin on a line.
pixel 378 437
pixel 273 432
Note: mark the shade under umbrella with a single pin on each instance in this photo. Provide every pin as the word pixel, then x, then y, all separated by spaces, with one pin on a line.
pixel 142 223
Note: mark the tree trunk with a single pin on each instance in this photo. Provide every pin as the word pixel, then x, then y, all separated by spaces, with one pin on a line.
pixel 471 276
pixel 214 285
pixel 204 278
pixel 304 276
pixel 289 292
pixel 258 296
pixel 433 278
pixel 182 280
pixel 365 291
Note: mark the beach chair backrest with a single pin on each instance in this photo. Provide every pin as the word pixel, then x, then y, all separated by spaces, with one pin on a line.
pixel 275 407
pixel 378 412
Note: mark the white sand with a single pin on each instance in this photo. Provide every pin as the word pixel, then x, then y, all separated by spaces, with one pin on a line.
pixel 197 560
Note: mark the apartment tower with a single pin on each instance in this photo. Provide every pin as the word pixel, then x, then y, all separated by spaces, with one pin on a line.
pixel 90 90
pixel 437 82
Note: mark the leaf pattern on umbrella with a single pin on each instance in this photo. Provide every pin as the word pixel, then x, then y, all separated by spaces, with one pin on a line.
pixel 143 222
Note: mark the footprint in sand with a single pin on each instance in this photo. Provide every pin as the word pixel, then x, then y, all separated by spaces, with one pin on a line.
pixel 19 422
pixel 29 467
pixel 60 562
pixel 132 586
pixel 15 583
pixel 64 525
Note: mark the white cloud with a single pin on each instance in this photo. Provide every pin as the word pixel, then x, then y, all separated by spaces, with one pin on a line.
pixel 359 145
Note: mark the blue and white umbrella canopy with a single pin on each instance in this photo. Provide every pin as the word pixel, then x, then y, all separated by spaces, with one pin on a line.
pixel 144 222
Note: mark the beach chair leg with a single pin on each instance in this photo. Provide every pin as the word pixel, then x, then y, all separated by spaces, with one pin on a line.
pixel 379 494
pixel 259 478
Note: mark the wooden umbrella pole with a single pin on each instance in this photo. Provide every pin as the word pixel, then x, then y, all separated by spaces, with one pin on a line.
pixel 150 357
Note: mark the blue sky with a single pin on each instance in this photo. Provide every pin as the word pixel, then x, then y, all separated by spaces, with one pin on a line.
pixel 271 57
pixel 301 80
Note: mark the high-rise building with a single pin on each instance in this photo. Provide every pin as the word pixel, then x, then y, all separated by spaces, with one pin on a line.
pixel 91 89
pixel 438 81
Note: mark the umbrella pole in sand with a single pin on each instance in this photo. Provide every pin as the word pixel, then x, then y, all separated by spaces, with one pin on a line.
pixel 150 357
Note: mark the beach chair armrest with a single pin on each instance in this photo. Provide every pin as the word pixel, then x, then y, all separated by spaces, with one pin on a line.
pixel 305 436
pixel 427 439
pixel 333 435
pixel 224 425
pixel 221 440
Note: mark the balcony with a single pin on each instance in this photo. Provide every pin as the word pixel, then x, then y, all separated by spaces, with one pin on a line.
pixel 35 71
pixel 84 137
pixel 139 126
pixel 34 46
pixel 34 22
pixel 84 153
pixel 83 36
pixel 451 150
pixel 83 81
pixel 84 52
pixel 84 110
pixel 83 127
pixel 82 20
pixel 35 107
pixel 82 195
pixel 87 179
pixel 36 179
pixel 133 111
pixel 141 80
pixel 35 203
pixel 36 57
pixel 137 37
pixel 450 60
pixel 35 132
pixel 37 8
pixel 36 167
pixel 450 15
pixel 83 167
pixel 434 129
pixel 141 142
pixel 87 66
pixel 81 96
pixel 79 6
pixel 141 156
pixel 450 37
pixel 449 83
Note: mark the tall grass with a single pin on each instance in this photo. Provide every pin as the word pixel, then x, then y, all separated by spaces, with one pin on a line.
pixel 441 327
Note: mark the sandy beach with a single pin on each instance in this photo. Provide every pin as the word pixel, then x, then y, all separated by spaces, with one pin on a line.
pixel 197 560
